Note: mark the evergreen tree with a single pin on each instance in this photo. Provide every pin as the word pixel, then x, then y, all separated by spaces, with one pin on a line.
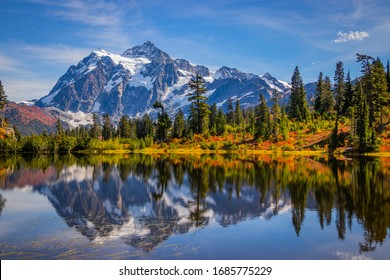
pixel 179 124
pixel 379 90
pixel 3 104
pixel 366 80
pixel 124 127
pixel 145 127
pixel 298 108
pixel 348 102
pixel 388 76
pixel 238 117
pixel 59 129
pixel 251 116
pixel 213 119
pixel 107 127
pixel 263 120
pixel 132 128
pixel 221 122
pixel 319 93
pixel 17 134
pixel 199 109
pixel 327 105
pixel 362 120
pixel 230 119
pixel 95 129
pixel 339 88
pixel 276 115
pixel 164 123
pixel 284 125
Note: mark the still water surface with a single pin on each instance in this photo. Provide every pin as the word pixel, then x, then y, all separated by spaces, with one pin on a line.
pixel 194 207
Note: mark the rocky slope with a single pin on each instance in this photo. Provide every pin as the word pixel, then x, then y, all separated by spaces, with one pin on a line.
pixel 131 82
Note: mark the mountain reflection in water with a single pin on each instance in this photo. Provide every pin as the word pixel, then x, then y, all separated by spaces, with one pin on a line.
pixel 146 199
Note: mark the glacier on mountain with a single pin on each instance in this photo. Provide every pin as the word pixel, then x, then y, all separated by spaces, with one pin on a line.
pixel 131 82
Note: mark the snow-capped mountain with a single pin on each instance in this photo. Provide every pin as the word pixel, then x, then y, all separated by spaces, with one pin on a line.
pixel 131 82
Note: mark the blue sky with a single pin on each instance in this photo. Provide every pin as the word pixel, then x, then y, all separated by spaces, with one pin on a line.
pixel 40 39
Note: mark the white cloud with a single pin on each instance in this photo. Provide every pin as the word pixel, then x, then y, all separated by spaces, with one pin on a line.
pixel 61 54
pixel 351 36
pixel 27 71
pixel 27 88
pixel 104 24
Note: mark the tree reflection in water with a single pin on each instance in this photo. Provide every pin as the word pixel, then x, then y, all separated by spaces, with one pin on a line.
pixel 155 196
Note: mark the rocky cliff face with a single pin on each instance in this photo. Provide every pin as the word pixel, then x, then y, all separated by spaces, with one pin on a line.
pixel 131 82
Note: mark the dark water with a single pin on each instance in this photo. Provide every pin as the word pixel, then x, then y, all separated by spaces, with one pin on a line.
pixel 194 207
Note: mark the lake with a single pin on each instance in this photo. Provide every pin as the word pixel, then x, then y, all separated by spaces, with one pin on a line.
pixel 138 206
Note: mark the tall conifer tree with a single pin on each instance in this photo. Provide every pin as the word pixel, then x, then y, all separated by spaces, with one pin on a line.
pixel 199 110
pixel 230 119
pixel 298 107
pixel 263 120
pixel 179 124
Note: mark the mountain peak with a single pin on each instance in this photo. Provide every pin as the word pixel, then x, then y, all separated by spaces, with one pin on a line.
pixel 147 49
pixel 268 76
pixel 227 73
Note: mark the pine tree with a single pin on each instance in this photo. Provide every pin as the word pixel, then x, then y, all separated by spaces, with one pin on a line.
pixel 145 127
pixel 388 76
pixel 221 122
pixel 179 124
pixel 3 104
pixel 284 125
pixel 107 127
pixel 366 80
pixel 124 127
pixel 263 120
pixel 327 105
pixel 59 129
pixel 199 109
pixel 319 93
pixel 213 119
pixel 230 119
pixel 339 88
pixel 95 129
pixel 132 128
pixel 362 120
pixel 348 102
pixel 164 123
pixel 17 134
pixel 298 107
pixel 238 117
pixel 276 115
pixel 379 90
pixel 251 122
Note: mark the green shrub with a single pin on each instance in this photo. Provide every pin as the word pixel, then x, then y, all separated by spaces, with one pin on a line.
pixel 213 146
pixel 204 146
pixel 229 145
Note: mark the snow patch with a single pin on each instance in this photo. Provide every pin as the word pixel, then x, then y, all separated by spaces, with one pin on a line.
pixel 47 99
pixel 79 118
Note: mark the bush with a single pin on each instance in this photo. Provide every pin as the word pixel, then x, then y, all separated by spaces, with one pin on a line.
pixel 163 145
pixel 36 144
pixel 172 146
pixel 9 146
pixel 229 145
pixel 288 147
pixel 67 144
pixel 213 146
pixel 204 146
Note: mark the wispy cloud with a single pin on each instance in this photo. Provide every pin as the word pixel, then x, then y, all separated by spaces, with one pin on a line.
pixel 26 70
pixel 351 36
pixel 57 54
pixel 28 88
pixel 105 24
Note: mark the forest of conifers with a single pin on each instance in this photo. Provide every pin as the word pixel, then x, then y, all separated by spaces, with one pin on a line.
pixel 346 115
